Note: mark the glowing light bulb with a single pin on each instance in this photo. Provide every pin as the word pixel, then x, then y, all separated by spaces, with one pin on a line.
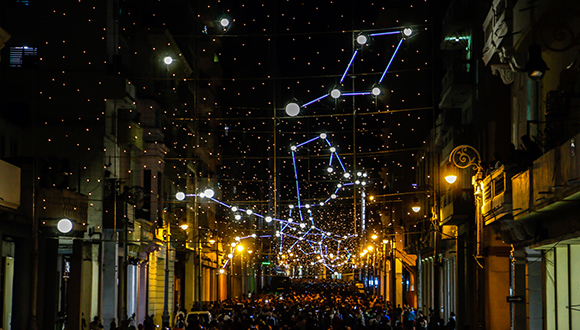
pixel 347 175
pixel 376 91
pixel 293 148
pixel 335 93
pixel 167 60
pixel 332 149
pixel 237 217
pixel 64 226
pixel 224 22
pixel 234 208
pixel 361 39
pixel 292 109
pixel 323 136
pixel 249 212
pixel 407 31
pixel 333 196
pixel 180 196
pixel 209 193
pixel 329 170
pixel 268 219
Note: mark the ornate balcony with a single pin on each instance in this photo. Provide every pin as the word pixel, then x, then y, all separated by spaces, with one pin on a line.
pixel 497 196
pixel 551 186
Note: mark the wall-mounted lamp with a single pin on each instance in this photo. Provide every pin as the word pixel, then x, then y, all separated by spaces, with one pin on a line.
pixel 536 66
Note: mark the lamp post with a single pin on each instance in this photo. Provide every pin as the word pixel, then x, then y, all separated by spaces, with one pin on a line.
pixel 465 156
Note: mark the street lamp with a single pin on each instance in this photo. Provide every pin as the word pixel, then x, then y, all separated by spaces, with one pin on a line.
pixel 416 207
pixel 465 156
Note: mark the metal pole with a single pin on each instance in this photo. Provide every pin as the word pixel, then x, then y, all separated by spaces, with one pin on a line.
pixel 165 316
pixel 217 271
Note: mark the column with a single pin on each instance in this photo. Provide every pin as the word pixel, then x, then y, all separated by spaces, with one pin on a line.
pixel 110 275
pixel 535 289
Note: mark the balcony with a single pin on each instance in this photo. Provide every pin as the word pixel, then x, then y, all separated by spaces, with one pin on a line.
pixel 9 186
pixel 131 134
pixel 53 204
pixel 497 196
pixel 457 206
pixel 457 85
pixel 551 187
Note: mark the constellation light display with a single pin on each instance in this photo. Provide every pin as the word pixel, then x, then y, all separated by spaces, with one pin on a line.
pixel 303 235
pixel 361 40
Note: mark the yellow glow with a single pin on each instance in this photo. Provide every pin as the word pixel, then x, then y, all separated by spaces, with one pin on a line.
pixel 371 197
pixel 374 236
pixel 416 208
pixel 222 271
pixel 211 241
pixel 451 178
pixel 240 248
pixel 370 248
pixel 184 226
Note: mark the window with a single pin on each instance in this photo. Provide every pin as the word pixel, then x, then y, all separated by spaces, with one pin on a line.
pixel 23 56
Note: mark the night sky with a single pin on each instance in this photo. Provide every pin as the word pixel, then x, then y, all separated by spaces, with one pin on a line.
pixel 276 52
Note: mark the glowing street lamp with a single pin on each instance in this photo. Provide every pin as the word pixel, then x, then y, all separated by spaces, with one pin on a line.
pixel 362 39
pixel 64 226
pixel 292 109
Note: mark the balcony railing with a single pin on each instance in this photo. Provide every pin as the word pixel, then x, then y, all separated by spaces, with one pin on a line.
pixel 457 206
pixel 497 196
pixel 551 185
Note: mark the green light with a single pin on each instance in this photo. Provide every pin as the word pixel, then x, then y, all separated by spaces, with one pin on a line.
pixel 265 262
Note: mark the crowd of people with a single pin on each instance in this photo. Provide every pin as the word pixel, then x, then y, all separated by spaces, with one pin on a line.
pixel 316 305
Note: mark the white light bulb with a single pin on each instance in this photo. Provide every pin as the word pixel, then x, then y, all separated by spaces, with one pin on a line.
pixel 329 170
pixel 180 196
pixel 321 204
pixel 376 91
pixel 234 208
pixel 358 173
pixel 407 31
pixel 201 195
pixel 332 149
pixel 64 226
pixel 291 206
pixel 237 238
pixel 335 93
pixel 364 183
pixel 224 22
pixel 253 235
pixel 323 136
pixel 293 148
pixel 333 196
pixel 290 220
pixel 307 206
pixel 237 217
pixel 361 39
pixel 292 109
pixel 339 185
pixel 268 219
pixel 209 193
pixel 167 60
pixel 249 212
pixel 357 182
pixel 347 175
